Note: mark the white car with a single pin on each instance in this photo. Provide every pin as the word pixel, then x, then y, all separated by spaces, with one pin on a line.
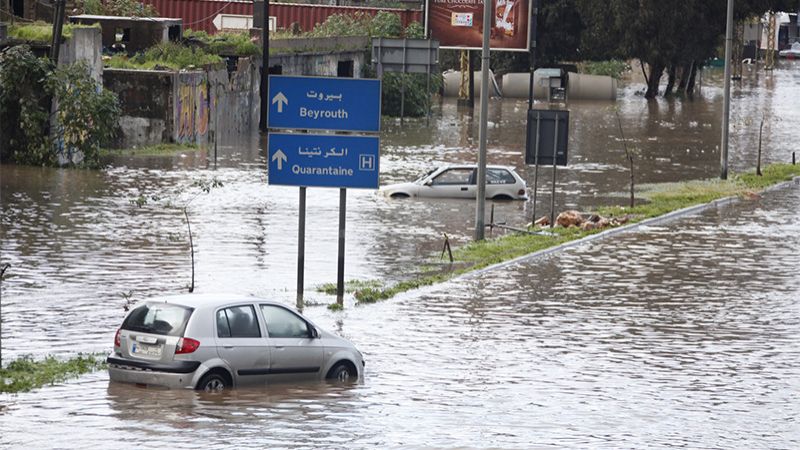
pixel 459 181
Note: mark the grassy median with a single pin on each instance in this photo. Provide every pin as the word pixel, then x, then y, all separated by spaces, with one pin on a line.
pixel 655 200
pixel 25 373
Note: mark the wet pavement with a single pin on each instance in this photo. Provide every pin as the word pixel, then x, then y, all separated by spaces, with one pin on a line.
pixel 678 335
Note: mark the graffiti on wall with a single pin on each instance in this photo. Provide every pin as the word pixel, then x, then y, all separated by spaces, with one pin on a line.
pixel 191 108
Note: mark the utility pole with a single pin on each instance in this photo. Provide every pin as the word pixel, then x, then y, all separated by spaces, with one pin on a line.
pixel 481 203
pixel 58 27
pixel 726 99
pixel 264 67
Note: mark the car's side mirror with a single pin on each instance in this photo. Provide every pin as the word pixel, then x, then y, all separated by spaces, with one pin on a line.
pixel 312 332
pixel 428 182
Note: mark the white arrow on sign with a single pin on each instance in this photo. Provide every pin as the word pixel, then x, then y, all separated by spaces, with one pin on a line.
pixel 280 157
pixel 281 100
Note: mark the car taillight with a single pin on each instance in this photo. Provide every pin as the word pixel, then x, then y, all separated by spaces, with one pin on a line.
pixel 117 342
pixel 186 345
pixel 521 192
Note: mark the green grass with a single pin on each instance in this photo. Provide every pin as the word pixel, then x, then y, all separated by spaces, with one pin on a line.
pixel 151 150
pixel 165 56
pixel 349 286
pixel 225 43
pixel 25 373
pixel 41 31
pixel 655 200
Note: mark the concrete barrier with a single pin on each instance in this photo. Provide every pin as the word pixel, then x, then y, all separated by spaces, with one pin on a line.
pixel 579 86
pixel 452 81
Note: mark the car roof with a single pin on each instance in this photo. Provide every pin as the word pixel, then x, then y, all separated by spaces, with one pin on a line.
pixel 472 166
pixel 206 300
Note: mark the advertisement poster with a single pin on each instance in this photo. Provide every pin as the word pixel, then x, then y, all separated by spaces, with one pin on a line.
pixel 459 24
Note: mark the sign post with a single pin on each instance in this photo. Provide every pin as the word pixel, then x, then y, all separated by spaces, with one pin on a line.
pixel 546 143
pixel 323 160
pixel 301 247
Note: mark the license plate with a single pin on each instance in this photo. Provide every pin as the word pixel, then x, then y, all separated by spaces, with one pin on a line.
pixel 145 350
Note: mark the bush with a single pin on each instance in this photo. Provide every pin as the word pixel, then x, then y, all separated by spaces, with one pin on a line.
pixel 42 31
pixel 416 98
pixel 86 116
pixel 612 68
pixel 168 55
pixel 24 102
pixel 125 8
pixel 225 43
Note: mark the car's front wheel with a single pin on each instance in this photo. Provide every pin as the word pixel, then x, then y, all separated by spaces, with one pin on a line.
pixel 213 382
pixel 342 372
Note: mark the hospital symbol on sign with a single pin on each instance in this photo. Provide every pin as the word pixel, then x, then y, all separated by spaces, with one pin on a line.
pixel 366 162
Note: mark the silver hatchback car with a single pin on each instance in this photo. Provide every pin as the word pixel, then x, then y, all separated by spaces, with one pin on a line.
pixel 213 342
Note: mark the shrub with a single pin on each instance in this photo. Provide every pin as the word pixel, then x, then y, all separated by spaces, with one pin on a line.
pixel 86 116
pixel 125 8
pixel 168 55
pixel 612 68
pixel 225 43
pixel 24 102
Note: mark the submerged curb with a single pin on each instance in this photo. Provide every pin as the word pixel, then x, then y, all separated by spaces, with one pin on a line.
pixel 668 217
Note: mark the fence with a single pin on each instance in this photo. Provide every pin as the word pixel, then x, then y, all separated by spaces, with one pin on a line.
pixel 199 14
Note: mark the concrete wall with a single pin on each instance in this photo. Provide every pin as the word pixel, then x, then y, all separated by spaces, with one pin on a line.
pixel 318 64
pixel 186 107
pixel 84 45
pixel 190 107
pixel 235 105
pixel 138 34
pixel 146 100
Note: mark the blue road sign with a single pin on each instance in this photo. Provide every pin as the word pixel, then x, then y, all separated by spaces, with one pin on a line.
pixel 318 103
pixel 324 160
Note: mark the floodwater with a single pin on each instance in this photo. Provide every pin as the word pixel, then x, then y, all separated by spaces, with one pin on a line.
pixel 684 335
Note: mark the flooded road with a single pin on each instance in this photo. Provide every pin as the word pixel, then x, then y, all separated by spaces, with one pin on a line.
pixel 77 245
pixel 678 335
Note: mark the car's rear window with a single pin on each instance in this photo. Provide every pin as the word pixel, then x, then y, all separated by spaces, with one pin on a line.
pixel 499 176
pixel 158 318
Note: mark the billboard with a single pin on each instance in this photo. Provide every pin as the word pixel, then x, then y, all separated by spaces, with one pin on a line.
pixel 458 24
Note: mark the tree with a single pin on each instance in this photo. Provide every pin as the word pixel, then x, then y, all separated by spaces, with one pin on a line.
pixel 85 118
pixel 670 35
pixel 181 199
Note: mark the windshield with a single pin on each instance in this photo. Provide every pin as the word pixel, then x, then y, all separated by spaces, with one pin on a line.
pixel 158 318
pixel 426 175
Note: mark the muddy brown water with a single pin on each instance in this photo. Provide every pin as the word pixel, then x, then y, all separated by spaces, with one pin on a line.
pixel 682 335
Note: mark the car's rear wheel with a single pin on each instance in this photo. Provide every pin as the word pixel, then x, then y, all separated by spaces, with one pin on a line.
pixel 400 195
pixel 342 372
pixel 501 197
pixel 213 382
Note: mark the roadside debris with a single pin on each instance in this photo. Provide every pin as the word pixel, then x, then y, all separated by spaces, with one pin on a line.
pixel 572 218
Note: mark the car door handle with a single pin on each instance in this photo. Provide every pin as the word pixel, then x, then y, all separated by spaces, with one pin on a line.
pixel 227 346
pixel 278 347
pixel 463 189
